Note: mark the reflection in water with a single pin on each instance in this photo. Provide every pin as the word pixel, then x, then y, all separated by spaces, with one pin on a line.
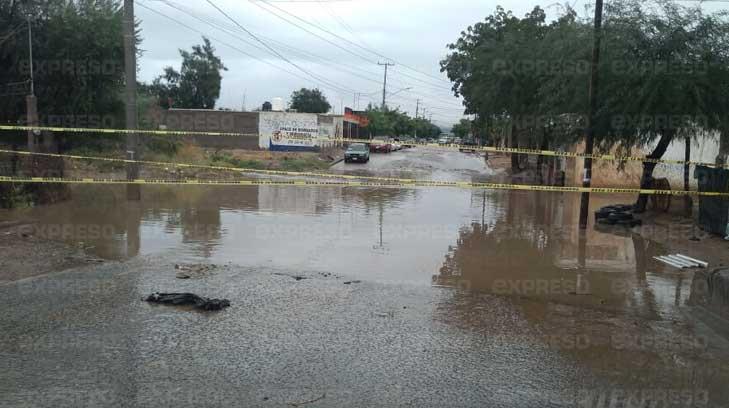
pixel 509 243
pixel 522 246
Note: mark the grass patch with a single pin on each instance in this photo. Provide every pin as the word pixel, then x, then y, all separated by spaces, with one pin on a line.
pixel 224 159
pixel 101 165
pixel 307 164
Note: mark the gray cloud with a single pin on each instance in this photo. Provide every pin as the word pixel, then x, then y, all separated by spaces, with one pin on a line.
pixel 414 33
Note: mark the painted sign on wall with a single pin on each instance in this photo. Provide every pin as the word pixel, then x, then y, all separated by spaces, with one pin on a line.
pixel 288 131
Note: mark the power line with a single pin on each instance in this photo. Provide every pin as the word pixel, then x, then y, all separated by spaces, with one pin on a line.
pixel 374 52
pixel 364 58
pixel 307 54
pixel 215 24
pixel 227 44
pixel 348 50
pixel 274 50
pixel 224 27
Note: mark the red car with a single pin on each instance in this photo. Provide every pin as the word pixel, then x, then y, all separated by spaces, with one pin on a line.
pixel 380 148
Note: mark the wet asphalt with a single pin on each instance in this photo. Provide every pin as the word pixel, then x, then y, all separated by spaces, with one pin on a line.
pixel 353 297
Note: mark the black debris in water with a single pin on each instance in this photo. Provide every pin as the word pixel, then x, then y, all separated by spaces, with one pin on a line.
pixel 351 282
pixel 188 299
pixel 621 214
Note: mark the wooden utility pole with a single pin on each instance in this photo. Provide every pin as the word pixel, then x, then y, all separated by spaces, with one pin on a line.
pixel 590 132
pixel 686 175
pixel 31 102
pixel 130 71
pixel 384 85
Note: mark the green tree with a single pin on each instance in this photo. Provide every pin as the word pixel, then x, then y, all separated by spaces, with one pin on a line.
pixel 462 129
pixel 493 66
pixel 309 101
pixel 197 84
pixel 78 62
pixel 393 122
pixel 663 75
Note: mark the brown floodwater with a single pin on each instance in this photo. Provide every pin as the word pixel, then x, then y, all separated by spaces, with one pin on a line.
pixel 507 268
pixel 523 244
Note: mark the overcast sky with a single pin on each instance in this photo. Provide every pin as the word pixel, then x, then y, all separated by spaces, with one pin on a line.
pixel 413 34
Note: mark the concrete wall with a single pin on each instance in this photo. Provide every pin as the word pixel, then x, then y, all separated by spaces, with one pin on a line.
pixel 214 121
pixel 330 126
pixel 608 174
pixel 284 131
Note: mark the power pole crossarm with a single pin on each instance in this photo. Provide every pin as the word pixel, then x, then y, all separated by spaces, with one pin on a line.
pixel 384 86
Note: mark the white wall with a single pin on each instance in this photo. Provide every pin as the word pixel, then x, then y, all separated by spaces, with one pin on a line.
pixel 703 149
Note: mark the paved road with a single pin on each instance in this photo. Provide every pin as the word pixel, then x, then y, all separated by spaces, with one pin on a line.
pixel 353 297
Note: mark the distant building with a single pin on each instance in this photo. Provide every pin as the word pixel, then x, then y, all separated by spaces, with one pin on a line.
pixel 276 131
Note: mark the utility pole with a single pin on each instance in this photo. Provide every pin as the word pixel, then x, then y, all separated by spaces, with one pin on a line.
pixel 590 133
pixel 417 108
pixel 384 86
pixel 130 71
pixel 31 102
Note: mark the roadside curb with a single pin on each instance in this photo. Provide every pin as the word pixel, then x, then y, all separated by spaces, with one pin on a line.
pixel 334 163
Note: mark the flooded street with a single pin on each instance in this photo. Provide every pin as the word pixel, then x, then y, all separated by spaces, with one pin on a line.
pixel 419 297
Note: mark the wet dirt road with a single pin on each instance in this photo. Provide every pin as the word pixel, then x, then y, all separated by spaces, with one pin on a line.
pixel 355 297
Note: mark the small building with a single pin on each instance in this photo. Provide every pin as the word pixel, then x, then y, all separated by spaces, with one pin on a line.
pixel 275 131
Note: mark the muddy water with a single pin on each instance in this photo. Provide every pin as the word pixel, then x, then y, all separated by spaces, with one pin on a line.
pixel 522 244
pixel 514 290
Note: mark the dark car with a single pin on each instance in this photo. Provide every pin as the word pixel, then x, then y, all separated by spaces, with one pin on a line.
pixel 469 145
pixel 357 153
pixel 383 147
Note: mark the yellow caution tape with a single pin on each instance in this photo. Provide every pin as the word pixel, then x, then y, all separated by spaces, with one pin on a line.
pixel 486 149
pixel 209 167
pixel 312 183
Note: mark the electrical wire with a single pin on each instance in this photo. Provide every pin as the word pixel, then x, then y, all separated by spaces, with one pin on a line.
pixel 281 56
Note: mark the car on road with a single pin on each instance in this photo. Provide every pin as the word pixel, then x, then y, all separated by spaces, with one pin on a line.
pixel 357 152
pixel 382 147
pixel 408 142
pixel 444 141
pixel 469 144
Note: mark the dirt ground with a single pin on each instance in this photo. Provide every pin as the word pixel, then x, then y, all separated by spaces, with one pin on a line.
pixel 27 255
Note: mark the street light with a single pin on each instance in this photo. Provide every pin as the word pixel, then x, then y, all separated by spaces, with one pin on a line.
pixel 401 90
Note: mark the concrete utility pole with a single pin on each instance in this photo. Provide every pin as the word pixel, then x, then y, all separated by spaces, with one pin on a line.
pixel 384 86
pixel 590 133
pixel 417 108
pixel 31 102
pixel 130 72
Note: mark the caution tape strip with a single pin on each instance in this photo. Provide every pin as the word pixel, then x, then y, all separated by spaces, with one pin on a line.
pixel 310 183
pixel 209 167
pixel 485 149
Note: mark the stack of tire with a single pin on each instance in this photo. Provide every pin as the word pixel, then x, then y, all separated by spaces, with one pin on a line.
pixel 620 214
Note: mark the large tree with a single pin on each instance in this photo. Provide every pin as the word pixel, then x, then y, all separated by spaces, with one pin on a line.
pixel 500 68
pixel 664 77
pixel 78 61
pixel 197 84
pixel 309 101
pixel 663 74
